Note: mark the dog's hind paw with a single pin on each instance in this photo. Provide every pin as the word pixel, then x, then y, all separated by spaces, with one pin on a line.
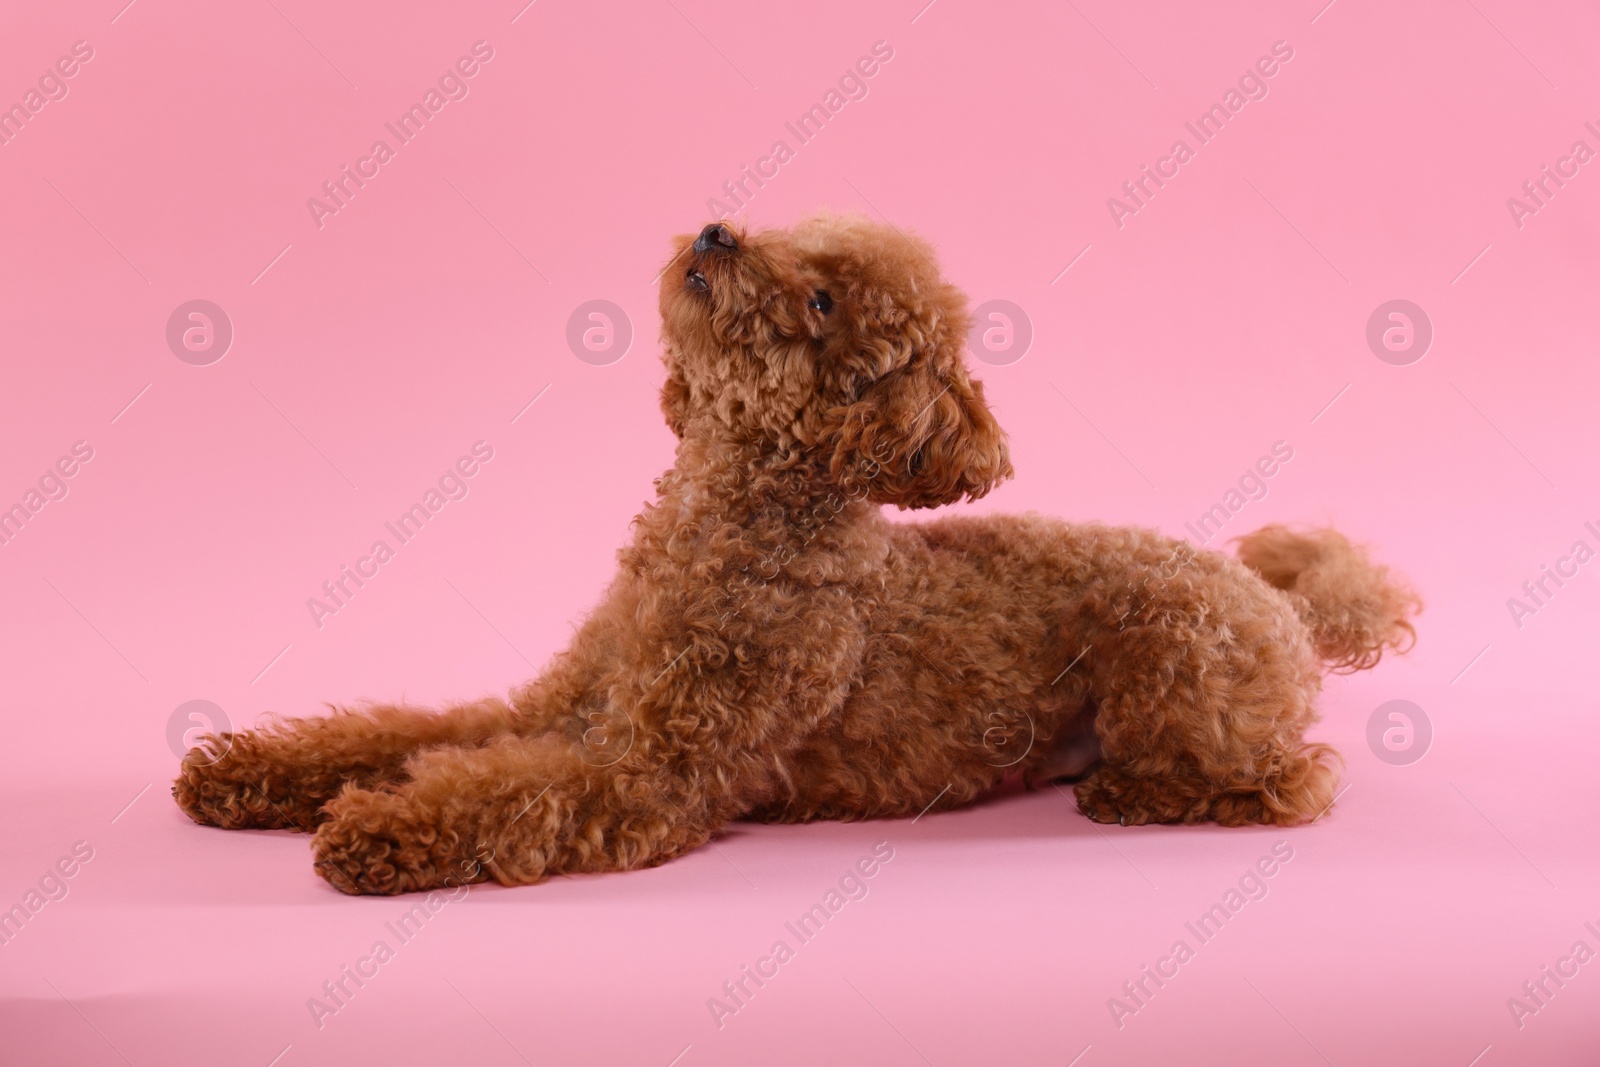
pixel 1109 796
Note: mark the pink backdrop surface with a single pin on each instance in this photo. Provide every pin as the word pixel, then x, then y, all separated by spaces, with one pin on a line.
pixel 1172 345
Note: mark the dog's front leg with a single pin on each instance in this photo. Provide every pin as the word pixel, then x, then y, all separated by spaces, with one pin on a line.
pixel 518 809
pixel 279 776
pixel 670 715
pixel 640 767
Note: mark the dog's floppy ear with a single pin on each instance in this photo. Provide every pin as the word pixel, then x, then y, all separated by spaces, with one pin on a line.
pixel 921 435
pixel 675 400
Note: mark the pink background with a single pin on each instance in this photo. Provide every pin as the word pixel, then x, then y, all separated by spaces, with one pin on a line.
pixel 370 353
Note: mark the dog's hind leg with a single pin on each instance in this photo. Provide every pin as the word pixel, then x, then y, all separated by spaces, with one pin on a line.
pixel 1205 689
pixel 280 776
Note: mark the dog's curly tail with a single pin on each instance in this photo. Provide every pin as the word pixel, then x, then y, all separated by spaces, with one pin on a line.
pixel 1355 610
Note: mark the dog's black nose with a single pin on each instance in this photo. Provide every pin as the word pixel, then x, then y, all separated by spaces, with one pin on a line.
pixel 716 236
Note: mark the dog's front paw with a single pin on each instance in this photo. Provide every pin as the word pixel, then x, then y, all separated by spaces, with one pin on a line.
pixel 382 842
pixel 237 782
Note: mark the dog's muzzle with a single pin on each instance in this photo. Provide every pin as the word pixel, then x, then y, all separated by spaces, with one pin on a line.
pixel 715 240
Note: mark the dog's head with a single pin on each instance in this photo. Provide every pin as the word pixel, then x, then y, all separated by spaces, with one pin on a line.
pixel 836 345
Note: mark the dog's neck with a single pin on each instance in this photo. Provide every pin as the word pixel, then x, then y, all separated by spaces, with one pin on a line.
pixel 738 481
pixel 743 501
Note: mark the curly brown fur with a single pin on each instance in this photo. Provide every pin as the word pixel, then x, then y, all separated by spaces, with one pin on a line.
pixel 774 648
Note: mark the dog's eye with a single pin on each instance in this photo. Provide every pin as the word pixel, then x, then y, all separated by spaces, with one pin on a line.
pixel 820 301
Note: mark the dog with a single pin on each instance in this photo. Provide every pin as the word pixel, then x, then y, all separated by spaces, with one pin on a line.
pixel 774 648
